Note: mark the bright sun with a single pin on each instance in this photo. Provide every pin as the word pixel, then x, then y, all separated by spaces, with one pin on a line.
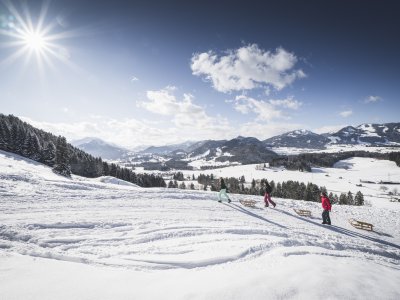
pixel 34 40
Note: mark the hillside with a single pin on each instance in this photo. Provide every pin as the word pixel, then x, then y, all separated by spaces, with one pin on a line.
pixel 372 134
pixel 104 240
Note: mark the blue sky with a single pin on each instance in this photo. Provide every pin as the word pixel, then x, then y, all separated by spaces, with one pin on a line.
pixel 161 72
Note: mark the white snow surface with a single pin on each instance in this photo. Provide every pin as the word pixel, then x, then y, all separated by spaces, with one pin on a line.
pixel 85 238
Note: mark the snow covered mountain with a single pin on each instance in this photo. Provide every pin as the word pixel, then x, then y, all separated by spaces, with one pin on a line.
pixel 372 134
pixel 298 139
pixel 243 150
pixel 97 238
pixel 100 148
pixel 168 148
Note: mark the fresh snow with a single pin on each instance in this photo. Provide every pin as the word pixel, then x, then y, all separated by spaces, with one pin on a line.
pixel 86 238
pixel 333 147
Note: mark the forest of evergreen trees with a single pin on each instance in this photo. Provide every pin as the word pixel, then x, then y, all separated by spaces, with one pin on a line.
pixel 21 138
pixel 287 189
pixel 304 162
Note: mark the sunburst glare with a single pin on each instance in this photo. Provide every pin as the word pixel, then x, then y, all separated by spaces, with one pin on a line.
pixel 31 39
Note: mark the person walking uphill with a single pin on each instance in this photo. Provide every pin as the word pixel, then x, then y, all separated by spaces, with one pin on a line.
pixel 326 206
pixel 222 191
pixel 267 195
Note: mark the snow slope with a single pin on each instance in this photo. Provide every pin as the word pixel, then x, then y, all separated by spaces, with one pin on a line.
pixel 93 239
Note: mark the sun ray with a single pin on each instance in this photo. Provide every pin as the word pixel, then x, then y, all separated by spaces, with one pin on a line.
pixel 43 13
pixel 12 58
pixel 33 40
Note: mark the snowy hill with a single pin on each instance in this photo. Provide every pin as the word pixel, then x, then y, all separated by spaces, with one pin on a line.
pixel 240 150
pixel 85 238
pixel 298 139
pixel 100 148
pixel 168 149
pixel 372 134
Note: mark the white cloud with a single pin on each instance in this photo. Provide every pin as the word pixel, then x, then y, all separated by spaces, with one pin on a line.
pixel 246 68
pixel 125 132
pixel 184 113
pixel 265 110
pixel 346 113
pixel 372 99
pixel 287 103
pixel 134 78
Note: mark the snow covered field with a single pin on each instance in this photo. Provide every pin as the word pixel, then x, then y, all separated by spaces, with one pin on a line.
pixel 101 239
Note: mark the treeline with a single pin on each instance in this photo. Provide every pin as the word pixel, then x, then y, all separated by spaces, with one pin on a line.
pixel 304 162
pixel 23 139
pixel 287 189
pixel 395 156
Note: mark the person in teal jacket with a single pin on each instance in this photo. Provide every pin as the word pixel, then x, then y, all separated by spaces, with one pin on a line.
pixel 222 191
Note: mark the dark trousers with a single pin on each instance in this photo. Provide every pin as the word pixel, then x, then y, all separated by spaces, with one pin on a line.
pixel 325 217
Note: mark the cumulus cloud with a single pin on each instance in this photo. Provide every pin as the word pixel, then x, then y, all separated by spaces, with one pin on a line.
pixel 287 103
pixel 372 99
pixel 246 68
pixel 346 113
pixel 265 110
pixel 184 112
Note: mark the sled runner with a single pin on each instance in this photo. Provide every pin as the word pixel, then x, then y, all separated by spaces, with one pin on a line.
pixel 361 225
pixel 249 203
pixel 303 212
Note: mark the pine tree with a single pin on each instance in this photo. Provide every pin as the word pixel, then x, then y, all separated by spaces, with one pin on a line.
pixel 278 191
pixel 192 186
pixel 350 198
pixel 343 199
pixel 49 154
pixel 182 186
pixel 359 199
pixel 62 165
pixel 4 137
pixel 308 192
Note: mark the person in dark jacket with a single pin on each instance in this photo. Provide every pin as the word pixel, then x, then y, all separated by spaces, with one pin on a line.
pixel 326 206
pixel 267 195
pixel 222 191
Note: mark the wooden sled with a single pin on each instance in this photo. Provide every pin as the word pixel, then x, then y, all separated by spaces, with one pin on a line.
pixel 249 203
pixel 303 212
pixel 361 225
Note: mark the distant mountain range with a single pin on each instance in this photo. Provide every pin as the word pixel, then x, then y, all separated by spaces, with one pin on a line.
pixel 244 150
pixel 100 148
pixel 373 134
pixel 168 149
pixel 298 139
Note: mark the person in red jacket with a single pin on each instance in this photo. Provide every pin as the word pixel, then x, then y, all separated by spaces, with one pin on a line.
pixel 326 206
